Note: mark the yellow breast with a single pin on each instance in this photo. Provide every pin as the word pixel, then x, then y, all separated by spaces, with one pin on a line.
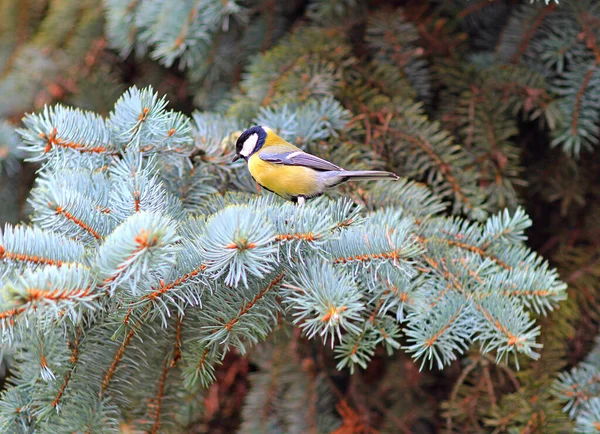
pixel 286 181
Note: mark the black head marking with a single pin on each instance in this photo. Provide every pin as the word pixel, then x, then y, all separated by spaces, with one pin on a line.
pixel 258 141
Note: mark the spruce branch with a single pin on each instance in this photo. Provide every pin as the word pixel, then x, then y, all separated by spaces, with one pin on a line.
pixel 16 409
pixel 386 236
pixel 358 349
pixel 140 121
pixel 418 135
pixel 576 89
pixel 441 333
pixel 65 131
pixel 58 293
pixel 395 40
pixel 321 306
pixel 74 359
pixel 269 72
pixel 199 366
pixel 59 207
pixel 238 242
pixel 91 413
pixel 182 286
pixel 29 246
pixel 121 36
pixel 240 318
pixel 506 333
pixel 589 418
pixel 408 194
pixel 143 244
pixel 140 187
pixel 521 29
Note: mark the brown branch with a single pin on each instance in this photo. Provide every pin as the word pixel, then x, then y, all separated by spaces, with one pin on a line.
pixel 177 347
pixel 161 393
pixel 544 12
pixel 124 345
pixel 209 58
pixel 163 378
pixel 21 36
pixel 202 360
pixel 185 189
pixel 512 339
pixel 578 100
pixel 244 310
pixel 454 393
pixel 187 24
pixel 73 360
pixel 117 359
pixel 163 288
pixel 490 386
pixel 470 248
pixel 28 258
pixel 21 32
pixel 37 294
pixel 61 211
pixel 453 281
pixel 471 116
pixel 509 373
pixel 358 341
pixel 590 37
pixel 273 377
pixel 392 254
pixel 343 224
pixel 53 140
pixel 352 422
pixel 11 314
pixel 307 236
pixel 312 404
pixel 400 52
pixel 529 293
pixel 432 340
pixel 376 310
pixel 136 200
pixel 444 167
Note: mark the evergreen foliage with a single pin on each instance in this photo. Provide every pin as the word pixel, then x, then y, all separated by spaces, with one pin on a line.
pixel 578 389
pixel 113 255
pixel 148 285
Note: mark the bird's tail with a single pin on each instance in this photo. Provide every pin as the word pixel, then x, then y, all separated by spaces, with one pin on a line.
pixel 367 174
pixel 332 178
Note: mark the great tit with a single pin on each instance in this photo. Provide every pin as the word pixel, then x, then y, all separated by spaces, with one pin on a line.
pixel 284 169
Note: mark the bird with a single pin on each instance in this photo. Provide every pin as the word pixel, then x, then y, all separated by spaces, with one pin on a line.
pixel 284 169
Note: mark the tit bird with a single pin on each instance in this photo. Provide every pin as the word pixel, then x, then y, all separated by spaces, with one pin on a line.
pixel 289 172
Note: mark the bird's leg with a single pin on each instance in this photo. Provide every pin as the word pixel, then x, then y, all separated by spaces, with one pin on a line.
pixel 301 200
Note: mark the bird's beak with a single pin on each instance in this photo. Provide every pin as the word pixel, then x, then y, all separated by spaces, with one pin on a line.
pixel 237 157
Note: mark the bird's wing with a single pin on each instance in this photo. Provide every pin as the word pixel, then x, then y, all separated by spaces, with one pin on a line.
pixel 298 158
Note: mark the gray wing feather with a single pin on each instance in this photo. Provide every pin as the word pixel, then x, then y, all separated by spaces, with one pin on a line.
pixel 299 159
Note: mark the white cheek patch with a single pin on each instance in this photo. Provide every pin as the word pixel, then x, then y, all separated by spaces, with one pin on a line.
pixel 249 145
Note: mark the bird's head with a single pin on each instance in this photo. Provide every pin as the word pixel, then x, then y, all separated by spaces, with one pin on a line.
pixel 251 141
